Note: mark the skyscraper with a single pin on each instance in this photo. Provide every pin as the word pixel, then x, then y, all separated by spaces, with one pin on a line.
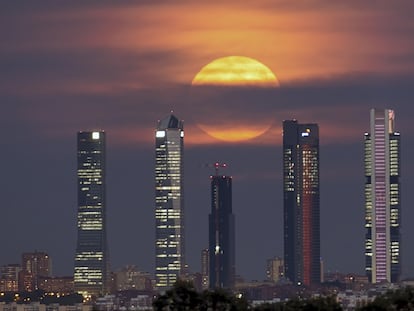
pixel 221 234
pixel 301 202
pixel 382 198
pixel 92 259
pixel 169 202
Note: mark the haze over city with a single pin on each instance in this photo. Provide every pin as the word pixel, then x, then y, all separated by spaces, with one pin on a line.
pixel 120 67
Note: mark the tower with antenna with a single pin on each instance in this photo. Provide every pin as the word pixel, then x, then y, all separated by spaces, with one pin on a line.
pixel 221 231
pixel 216 165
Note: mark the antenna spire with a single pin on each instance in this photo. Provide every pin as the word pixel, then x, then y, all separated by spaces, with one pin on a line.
pixel 217 166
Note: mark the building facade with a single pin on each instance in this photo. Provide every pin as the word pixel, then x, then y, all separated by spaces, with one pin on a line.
pixel 301 202
pixel 91 273
pixel 222 258
pixel 275 269
pixel 34 266
pixel 169 202
pixel 9 277
pixel 130 278
pixel 382 198
pixel 62 285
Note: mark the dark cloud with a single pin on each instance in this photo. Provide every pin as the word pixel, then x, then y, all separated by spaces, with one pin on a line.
pixel 85 71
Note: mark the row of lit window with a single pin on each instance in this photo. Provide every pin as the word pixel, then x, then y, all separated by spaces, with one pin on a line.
pixel 89 181
pixel 170 267
pixel 168 211
pixel 98 205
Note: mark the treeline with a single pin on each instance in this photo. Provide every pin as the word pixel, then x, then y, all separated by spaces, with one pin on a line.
pixel 400 299
pixel 183 296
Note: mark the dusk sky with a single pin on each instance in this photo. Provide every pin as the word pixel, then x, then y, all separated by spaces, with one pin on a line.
pixel 120 66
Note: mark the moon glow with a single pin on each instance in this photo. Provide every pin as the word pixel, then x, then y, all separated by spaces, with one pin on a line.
pixel 236 70
pixel 234 83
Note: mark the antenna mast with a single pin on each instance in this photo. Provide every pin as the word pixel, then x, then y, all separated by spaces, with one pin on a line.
pixel 217 166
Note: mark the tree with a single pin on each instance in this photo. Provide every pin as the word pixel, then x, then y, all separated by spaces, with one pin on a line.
pixel 401 299
pixel 182 296
pixel 223 300
pixel 313 304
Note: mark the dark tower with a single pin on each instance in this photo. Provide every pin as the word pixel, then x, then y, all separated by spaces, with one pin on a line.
pixel 301 202
pixel 221 233
pixel 92 258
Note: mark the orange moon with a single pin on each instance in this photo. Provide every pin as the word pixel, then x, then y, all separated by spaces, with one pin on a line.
pixel 236 73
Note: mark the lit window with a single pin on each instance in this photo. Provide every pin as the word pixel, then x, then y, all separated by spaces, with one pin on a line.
pixel 160 134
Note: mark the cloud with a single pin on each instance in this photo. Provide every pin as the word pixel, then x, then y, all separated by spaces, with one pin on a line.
pixel 85 71
pixel 118 67
pixel 311 39
pixel 340 105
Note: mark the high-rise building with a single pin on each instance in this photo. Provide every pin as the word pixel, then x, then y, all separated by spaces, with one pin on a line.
pixel 382 198
pixel 34 265
pixel 221 234
pixel 92 259
pixel 37 263
pixel 169 202
pixel 301 202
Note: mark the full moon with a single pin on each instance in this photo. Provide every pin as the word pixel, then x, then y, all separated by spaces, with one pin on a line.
pixel 231 82
pixel 236 70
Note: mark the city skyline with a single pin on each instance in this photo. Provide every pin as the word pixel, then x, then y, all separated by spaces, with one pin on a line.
pixel 171 121
pixel 121 66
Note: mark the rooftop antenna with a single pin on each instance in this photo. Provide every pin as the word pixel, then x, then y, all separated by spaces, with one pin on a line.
pixel 217 165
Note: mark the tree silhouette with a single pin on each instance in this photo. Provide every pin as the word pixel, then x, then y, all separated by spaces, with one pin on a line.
pixel 312 304
pixel 223 300
pixel 400 299
pixel 183 296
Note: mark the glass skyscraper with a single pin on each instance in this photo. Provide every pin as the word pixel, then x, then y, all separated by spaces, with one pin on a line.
pixel 221 234
pixel 92 258
pixel 169 202
pixel 382 198
pixel 301 202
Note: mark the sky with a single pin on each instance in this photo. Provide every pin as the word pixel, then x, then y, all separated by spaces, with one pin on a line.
pixel 120 66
